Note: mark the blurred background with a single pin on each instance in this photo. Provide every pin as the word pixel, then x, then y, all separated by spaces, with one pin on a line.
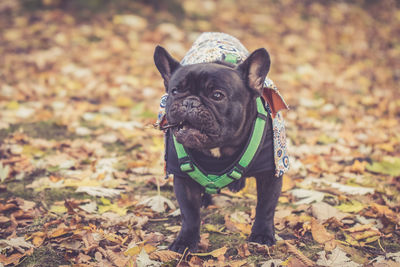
pixel 79 93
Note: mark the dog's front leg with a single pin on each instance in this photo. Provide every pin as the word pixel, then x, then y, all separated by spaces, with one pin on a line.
pixel 268 191
pixel 188 194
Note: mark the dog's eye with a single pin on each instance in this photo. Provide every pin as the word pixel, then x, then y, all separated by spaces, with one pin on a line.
pixel 217 95
pixel 174 91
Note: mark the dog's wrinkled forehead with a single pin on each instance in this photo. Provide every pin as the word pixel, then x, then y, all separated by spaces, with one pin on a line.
pixel 205 77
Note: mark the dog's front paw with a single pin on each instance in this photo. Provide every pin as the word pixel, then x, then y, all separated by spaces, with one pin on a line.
pixel 184 245
pixel 263 238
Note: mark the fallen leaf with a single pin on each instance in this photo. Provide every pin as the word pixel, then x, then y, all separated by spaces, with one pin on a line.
pixel 215 253
pixel 323 211
pixel 352 206
pixel 336 258
pixel 38 238
pixel 292 249
pixel 351 190
pixel 17 243
pixel 158 203
pixel 213 228
pixel 113 208
pixel 322 236
pixel 165 255
pixel 98 191
pixel 143 260
pixel 307 196
pixel 12 259
pixel 389 165
pixel 4 171
pixel 60 209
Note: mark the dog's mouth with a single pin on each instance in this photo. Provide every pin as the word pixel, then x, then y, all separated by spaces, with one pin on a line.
pixel 189 135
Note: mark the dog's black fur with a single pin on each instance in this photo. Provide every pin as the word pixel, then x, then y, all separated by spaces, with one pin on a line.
pixel 216 104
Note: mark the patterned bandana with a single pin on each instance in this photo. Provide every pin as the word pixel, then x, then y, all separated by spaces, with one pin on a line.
pixel 215 46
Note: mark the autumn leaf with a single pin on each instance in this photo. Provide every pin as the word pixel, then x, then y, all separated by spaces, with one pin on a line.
pixel 215 253
pixel 337 258
pixel 322 236
pixel 390 166
pixel 158 203
pixel 165 255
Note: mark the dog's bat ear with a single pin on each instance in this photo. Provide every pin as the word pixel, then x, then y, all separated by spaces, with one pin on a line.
pixel 165 64
pixel 255 68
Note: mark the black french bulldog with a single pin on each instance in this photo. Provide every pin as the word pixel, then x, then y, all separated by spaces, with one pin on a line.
pixel 210 110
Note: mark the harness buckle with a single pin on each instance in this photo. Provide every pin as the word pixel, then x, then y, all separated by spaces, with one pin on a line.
pixel 211 188
pixel 186 165
pixel 235 174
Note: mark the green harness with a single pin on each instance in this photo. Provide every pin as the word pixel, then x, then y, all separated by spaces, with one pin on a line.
pixel 213 183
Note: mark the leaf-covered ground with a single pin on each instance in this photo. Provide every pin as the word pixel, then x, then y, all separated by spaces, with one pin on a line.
pixel 80 161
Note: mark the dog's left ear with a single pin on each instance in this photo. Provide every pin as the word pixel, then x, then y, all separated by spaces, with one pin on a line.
pixel 255 68
pixel 165 64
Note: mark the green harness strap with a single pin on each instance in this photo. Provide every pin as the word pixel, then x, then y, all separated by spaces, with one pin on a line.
pixel 213 183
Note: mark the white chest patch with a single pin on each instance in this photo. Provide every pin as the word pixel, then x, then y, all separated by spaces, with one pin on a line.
pixel 216 152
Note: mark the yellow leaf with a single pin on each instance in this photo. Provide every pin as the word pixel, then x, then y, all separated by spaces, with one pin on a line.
pixel 287 183
pixel 12 105
pixel 237 263
pixel 114 208
pixel 105 201
pixel 358 166
pixel 353 206
pixel 365 234
pixel 174 229
pixel 58 209
pixel 215 253
pixel 243 228
pixel 359 228
pixel 38 238
pixel 213 228
pixel 149 248
pixel 133 251
pixel 112 237
pixel 60 231
pixel 283 200
pixel 124 102
pixel 387 147
pixel 371 239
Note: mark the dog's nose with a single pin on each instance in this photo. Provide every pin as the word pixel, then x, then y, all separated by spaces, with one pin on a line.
pixel 191 102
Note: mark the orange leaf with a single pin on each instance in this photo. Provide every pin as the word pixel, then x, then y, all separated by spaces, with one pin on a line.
pixel 38 238
pixel 13 259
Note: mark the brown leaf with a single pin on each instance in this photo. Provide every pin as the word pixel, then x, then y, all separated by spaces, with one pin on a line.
pixel 204 242
pixel 292 249
pixel 4 219
pixel 59 231
pixel 195 261
pixel 12 259
pixel 322 236
pixel 117 258
pixel 8 206
pixel 38 238
pixel 243 250
pixel 165 255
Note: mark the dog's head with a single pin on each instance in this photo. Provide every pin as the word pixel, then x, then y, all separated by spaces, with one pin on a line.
pixel 212 105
